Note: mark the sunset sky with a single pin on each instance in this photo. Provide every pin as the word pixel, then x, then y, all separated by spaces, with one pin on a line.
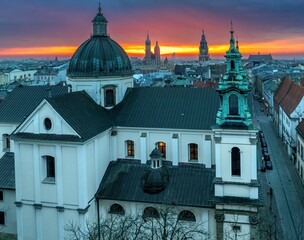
pixel 57 27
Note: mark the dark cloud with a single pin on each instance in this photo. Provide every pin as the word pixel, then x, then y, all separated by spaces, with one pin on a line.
pixel 25 23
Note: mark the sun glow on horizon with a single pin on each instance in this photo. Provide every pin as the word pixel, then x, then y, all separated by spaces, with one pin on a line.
pixel 282 46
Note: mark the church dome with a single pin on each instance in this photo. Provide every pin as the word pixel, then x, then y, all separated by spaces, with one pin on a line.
pixel 99 55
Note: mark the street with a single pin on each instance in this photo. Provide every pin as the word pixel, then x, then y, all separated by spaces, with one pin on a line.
pixel 283 184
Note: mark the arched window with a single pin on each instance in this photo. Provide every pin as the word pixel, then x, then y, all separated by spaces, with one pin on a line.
pixel 162 148
pixel 186 215
pixel 233 105
pixel 109 96
pixel 130 148
pixel 232 65
pixel 193 151
pixel 117 209
pixel 150 212
pixel 235 162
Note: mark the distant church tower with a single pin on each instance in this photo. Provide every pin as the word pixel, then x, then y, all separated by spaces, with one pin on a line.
pixel 147 59
pixel 151 58
pixel 157 54
pixel 203 49
pixel 236 186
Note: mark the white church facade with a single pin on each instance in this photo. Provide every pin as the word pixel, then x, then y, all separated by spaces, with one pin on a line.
pixel 77 153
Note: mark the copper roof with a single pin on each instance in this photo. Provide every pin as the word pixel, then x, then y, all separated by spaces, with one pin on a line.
pixel 281 92
pixel 293 98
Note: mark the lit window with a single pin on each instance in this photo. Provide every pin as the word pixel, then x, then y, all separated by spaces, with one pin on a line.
pixel 117 209
pixel 186 215
pixel 130 148
pixel 162 148
pixel 2 219
pixel 193 151
pixel 150 212
pixel 235 162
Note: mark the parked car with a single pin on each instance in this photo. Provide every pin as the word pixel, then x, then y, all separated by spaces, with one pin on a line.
pixel 266 156
pixel 264 150
pixel 268 164
pixel 263 142
pixel 263 166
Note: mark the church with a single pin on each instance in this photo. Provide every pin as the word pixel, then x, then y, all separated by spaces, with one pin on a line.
pixel 100 147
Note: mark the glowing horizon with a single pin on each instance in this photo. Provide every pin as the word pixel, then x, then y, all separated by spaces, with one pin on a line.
pixel 276 47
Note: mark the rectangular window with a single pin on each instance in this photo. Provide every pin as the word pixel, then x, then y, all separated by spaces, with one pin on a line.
pixel 193 151
pixel 130 148
pixel 6 142
pixel 1 195
pixel 236 228
pixel 162 148
pixel 50 167
pixel 2 219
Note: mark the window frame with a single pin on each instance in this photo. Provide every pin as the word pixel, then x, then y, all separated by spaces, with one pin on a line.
pixel 235 162
pixel 161 146
pixel 2 218
pixel 49 164
pixel 116 208
pixel 150 212
pixel 6 142
pixel 193 152
pixel 186 215
pixel 233 105
pixel 130 148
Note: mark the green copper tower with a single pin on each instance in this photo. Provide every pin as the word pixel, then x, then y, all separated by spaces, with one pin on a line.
pixel 233 89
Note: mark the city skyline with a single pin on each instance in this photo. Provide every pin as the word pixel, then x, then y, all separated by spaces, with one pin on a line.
pixel 43 28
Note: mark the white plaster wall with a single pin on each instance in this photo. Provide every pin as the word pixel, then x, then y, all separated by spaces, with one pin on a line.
pixel 91 169
pixel 27 223
pixel 69 178
pixel 240 220
pixel 184 138
pixel 94 86
pixel 49 223
pixel 26 165
pixel 246 150
pixel 8 207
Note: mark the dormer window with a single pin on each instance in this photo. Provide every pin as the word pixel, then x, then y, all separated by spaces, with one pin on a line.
pixel 6 143
pixel 109 95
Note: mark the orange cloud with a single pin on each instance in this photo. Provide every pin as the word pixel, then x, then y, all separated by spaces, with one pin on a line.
pixel 282 46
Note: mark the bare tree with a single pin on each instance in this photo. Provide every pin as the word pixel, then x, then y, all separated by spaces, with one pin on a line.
pixel 166 225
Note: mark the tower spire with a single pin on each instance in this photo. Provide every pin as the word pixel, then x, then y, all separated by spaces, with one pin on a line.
pixel 232 41
pixel 99 23
pixel 99 8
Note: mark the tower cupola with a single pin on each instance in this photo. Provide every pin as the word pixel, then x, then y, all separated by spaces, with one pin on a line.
pixel 99 24
pixel 233 89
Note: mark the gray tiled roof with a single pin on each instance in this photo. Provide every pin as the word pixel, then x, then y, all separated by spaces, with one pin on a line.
pixel 23 100
pixel 177 108
pixel 7 171
pixel 81 112
pixel 189 184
